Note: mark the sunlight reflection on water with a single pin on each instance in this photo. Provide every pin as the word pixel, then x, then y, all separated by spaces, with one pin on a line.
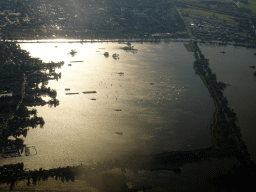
pixel 153 97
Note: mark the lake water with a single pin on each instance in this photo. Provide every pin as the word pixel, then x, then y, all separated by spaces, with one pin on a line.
pixel 157 102
pixel 152 96
pixel 233 68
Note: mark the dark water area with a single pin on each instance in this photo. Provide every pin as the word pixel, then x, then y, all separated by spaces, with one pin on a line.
pixel 233 68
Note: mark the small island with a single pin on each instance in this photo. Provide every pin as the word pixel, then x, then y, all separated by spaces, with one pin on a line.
pixel 106 54
pixel 129 47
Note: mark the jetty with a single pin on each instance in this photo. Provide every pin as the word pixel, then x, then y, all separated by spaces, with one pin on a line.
pixel 72 93
pixel 88 92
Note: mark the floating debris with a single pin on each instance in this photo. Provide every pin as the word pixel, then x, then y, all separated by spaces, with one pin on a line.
pixel 71 93
pixel 120 73
pixel 69 64
pixel 152 83
pixel 93 99
pixel 88 92
pixel 118 110
pixel 222 51
pixel 106 54
pixel 67 89
pixel 119 133
pixel 253 67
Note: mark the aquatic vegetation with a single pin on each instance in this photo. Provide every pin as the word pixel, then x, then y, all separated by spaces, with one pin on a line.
pixel 73 52
pixel 106 54
pixel 115 56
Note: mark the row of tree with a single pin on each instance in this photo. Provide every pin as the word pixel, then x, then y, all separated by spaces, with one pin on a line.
pixel 24 94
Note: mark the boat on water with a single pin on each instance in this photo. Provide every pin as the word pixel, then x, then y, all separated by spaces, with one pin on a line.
pixel 119 133
pixel 222 51
pixel 120 73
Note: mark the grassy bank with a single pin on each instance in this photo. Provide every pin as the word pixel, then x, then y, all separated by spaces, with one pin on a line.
pixel 209 15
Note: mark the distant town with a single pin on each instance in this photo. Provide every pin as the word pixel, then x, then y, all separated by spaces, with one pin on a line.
pixel 226 21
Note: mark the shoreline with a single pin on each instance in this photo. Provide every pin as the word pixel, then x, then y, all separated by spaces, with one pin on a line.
pixel 124 41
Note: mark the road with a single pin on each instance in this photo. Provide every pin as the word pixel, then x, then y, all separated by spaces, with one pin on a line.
pixel 188 29
pixel 237 4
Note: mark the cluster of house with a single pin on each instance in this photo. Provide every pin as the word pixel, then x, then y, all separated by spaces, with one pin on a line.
pixel 17 12
pixel 44 18
pixel 209 29
pixel 11 13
